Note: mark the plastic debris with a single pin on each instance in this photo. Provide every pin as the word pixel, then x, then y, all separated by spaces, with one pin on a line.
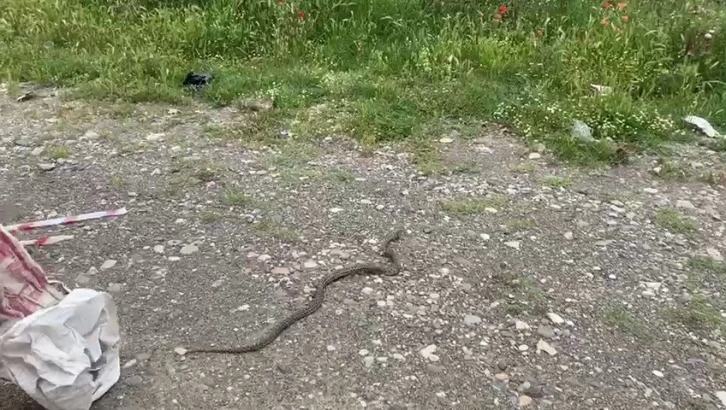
pixel 46 240
pixel 65 220
pixel 26 97
pixel 703 125
pixel 598 89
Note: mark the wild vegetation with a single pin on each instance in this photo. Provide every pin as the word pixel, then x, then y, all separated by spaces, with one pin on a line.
pixel 396 69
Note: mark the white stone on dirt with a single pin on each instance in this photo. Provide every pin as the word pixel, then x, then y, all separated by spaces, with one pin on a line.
pixel 110 263
pixel 683 204
pixel 280 270
pixel 471 320
pixel 714 254
pixel 484 236
pixel 555 318
pixel 310 264
pixel 46 167
pixel 366 291
pixel 523 348
pixel 189 249
pixel 263 258
pixel 336 210
pixel 513 244
pixel 180 351
pixel 568 235
pixel 658 373
pixel 650 190
pixel 721 395
pixel 524 400
pixel 546 331
pixel 520 325
pixel 330 348
pixel 535 155
pixel 543 346
pixel 159 248
pixel 428 353
pixel 155 136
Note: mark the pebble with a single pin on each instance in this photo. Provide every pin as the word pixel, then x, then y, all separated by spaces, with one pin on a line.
pixel 484 236
pixel 115 287
pixel 264 258
pixel 368 361
pixel 721 395
pixel 434 368
pixel 650 190
pixel 512 244
pixel 108 264
pixel 428 353
pixel 543 346
pixel 180 351
pixel 535 155
pixel 523 348
pixel 46 167
pixel 330 348
pixel 36 151
pixel 546 331
pixel 472 320
pixel 366 291
pixel 336 210
pixel 555 318
pixel 524 400
pixel 502 377
pixel 658 373
pixel 683 204
pixel 130 363
pixel 280 270
pixel 159 248
pixel 188 249
pixel 568 235
pixel 311 264
pixel 520 325
pixel 135 380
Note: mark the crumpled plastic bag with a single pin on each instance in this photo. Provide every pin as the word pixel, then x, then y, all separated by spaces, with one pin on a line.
pixel 64 356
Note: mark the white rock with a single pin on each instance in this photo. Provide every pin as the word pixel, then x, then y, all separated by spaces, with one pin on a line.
pixel 683 204
pixel 264 258
pixel 399 356
pixel 535 155
pixel 721 396
pixel 108 264
pixel 650 190
pixel 243 308
pixel 159 248
pixel 366 291
pixel 428 353
pixel 368 361
pixel 555 318
pixel 336 210
pixel 484 236
pixel 472 320
pixel 330 348
pixel 581 131
pixel 524 400
pixel 490 210
pixel 188 249
pixel 446 140
pixel 154 136
pixel 523 348
pixel 512 244
pixel 568 235
pixel 280 270
pixel 543 346
pixel 180 351
pixel 702 124
pixel 658 373
pixel 311 264
pixel 363 352
pixel 714 254
pixel 520 325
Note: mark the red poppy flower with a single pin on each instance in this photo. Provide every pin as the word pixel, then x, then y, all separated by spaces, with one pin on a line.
pixel 622 6
pixel 503 9
pixel 607 5
pixel 301 15
pixel 605 22
pixel 625 18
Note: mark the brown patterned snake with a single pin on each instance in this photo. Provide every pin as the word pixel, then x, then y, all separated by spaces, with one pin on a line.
pixel 317 301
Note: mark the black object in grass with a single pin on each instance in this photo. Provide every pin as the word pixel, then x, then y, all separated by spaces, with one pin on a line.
pixel 197 79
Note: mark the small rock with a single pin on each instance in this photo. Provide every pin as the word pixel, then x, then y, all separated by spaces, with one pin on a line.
pixel 336 210
pixel 23 142
pixel 91 135
pixel 428 353
pixel 180 351
pixel 658 373
pixel 524 400
pixel 535 155
pixel 446 140
pixel 721 395
pixel 434 368
pixel 520 325
pixel 280 270
pixel 581 131
pixel 189 249
pixel 159 248
pixel 502 377
pixel 472 320
pixel 330 348
pixel 546 331
pixel 484 236
pixel 130 363
pixel 714 254
pixel 568 235
pixel 46 167
pixel 135 380
pixel 366 291
pixel 153 137
pixel 311 264
pixel 543 346
pixel 502 365
pixel 523 348
pixel 264 258
pixel 115 287
pixel 368 361
pixel 512 244
pixel 683 204
pixel 555 318
pixel 108 264
pixel 602 90
pixel 36 151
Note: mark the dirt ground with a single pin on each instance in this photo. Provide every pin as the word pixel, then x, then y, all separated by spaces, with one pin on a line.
pixel 527 283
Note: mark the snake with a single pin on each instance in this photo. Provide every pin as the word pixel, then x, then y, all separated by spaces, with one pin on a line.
pixel 317 300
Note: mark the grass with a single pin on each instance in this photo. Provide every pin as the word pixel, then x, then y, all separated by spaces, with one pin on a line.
pixel 675 222
pixel 59 153
pixel 233 197
pixel 627 323
pixel 697 314
pixel 392 70
pixel 276 230
pixel 472 206
pixel 557 182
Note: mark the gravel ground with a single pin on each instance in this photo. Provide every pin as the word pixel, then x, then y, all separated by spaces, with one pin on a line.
pixel 527 283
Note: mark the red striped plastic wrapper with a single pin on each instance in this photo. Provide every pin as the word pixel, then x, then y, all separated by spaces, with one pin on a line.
pixel 24 287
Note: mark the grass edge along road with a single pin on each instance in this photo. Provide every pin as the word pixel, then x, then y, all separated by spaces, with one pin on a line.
pixel 384 70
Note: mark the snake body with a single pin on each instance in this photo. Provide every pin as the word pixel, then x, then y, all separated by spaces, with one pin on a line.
pixel 276 329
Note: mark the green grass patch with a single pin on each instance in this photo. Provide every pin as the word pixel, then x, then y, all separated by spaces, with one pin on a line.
pixel 59 153
pixel 627 323
pixel 697 314
pixel 471 206
pixel 557 182
pixel 234 197
pixel 393 69
pixel 675 222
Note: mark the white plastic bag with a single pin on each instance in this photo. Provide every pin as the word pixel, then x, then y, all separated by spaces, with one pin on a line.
pixel 67 355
